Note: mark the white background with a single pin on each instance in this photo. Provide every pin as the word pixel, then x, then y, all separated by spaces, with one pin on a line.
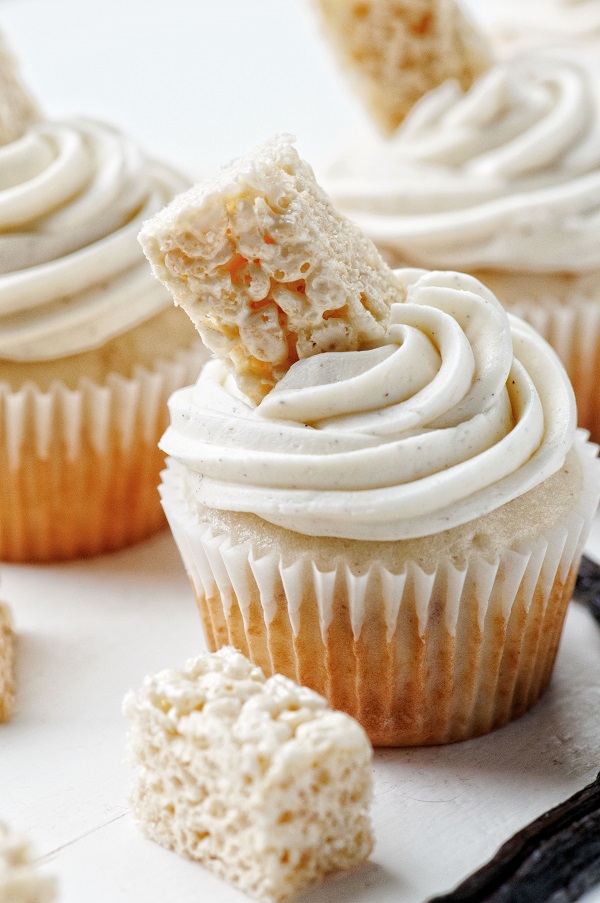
pixel 197 83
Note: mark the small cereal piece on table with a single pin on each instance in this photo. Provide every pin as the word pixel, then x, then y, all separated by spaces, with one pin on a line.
pixel 19 880
pixel 7 664
pixel 398 50
pixel 267 269
pixel 255 778
pixel 17 108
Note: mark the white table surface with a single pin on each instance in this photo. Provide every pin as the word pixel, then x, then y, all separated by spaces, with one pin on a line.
pixel 197 83
pixel 90 630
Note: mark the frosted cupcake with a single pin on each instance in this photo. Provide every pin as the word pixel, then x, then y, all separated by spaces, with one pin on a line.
pixel 502 182
pixel 90 345
pixel 521 24
pixel 378 489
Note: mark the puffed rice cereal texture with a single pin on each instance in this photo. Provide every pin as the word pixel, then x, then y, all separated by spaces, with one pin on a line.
pixel 257 779
pixel 20 882
pixel 395 51
pixel 267 269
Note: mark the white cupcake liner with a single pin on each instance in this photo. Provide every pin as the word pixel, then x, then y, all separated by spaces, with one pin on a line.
pixel 416 657
pixel 80 466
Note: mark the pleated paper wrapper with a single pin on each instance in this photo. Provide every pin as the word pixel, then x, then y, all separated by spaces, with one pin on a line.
pixel 418 658
pixel 80 468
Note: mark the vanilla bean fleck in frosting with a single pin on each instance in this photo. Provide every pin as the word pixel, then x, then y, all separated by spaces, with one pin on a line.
pixel 461 409
pixel 506 176
pixel 73 195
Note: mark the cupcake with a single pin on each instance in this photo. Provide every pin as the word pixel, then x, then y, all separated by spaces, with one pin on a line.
pixel 503 182
pixel 522 24
pixel 90 345
pixel 377 488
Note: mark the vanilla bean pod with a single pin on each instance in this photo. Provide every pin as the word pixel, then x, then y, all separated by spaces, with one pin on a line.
pixel 555 859
pixel 587 588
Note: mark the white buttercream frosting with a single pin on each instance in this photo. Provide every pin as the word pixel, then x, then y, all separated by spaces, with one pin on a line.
pixel 506 176
pixel 73 196
pixel 460 410
pixel 528 22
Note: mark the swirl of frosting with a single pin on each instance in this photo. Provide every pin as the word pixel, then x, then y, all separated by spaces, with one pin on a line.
pixel 462 409
pixel 506 176
pixel 73 196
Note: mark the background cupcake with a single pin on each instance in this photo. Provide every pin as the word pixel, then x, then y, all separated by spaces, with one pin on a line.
pixel 502 181
pixel 398 523
pixel 90 346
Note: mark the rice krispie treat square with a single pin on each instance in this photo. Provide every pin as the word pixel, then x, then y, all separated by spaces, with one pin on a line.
pixel 395 51
pixel 19 880
pixel 256 778
pixel 267 269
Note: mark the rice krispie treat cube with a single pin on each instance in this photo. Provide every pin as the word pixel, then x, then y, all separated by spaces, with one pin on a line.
pixel 7 665
pixel 17 108
pixel 19 880
pixel 267 269
pixel 256 778
pixel 396 51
